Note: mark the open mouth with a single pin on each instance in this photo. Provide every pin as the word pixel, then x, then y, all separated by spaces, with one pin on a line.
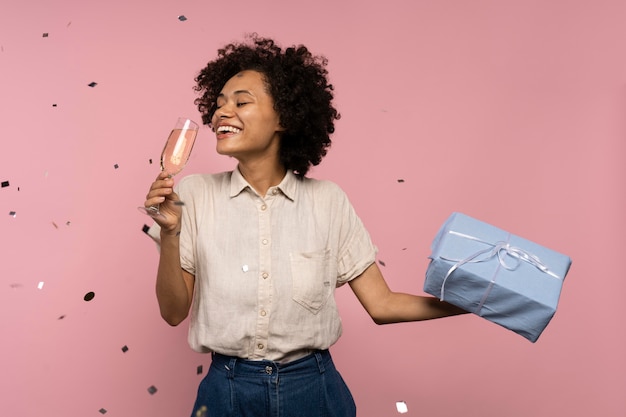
pixel 228 129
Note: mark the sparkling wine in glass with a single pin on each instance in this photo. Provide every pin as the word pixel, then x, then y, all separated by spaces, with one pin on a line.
pixel 176 152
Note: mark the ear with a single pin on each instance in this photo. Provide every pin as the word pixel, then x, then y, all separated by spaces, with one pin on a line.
pixel 279 127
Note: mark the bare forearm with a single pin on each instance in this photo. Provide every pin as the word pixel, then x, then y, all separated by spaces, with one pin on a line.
pixel 400 307
pixel 171 289
pixel 386 306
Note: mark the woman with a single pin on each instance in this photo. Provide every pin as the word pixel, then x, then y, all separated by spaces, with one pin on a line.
pixel 256 254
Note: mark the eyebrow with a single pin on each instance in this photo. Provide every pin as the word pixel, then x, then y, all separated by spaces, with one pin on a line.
pixel 238 92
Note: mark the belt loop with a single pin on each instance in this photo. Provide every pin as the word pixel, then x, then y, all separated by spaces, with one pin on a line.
pixel 320 361
pixel 231 367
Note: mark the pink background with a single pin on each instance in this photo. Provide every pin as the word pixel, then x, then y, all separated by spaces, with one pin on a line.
pixel 513 112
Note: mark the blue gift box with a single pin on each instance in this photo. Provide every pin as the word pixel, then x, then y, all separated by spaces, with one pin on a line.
pixel 504 278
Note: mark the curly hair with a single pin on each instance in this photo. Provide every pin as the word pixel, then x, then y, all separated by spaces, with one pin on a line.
pixel 297 81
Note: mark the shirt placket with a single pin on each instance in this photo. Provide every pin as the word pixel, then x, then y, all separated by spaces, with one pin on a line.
pixel 264 296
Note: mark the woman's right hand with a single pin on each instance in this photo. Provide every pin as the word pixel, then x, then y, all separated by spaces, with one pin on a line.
pixel 170 207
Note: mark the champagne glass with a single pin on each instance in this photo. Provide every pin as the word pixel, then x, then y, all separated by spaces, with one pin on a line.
pixel 175 153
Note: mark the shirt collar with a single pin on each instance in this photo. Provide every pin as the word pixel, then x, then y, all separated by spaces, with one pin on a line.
pixel 287 186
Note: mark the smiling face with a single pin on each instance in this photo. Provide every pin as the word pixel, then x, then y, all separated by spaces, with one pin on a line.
pixel 245 123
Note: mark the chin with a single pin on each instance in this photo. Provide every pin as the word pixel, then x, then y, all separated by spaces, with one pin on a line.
pixel 225 152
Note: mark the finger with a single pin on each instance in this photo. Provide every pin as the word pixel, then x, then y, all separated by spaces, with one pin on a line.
pixel 160 188
pixel 159 192
pixel 154 201
pixel 163 175
pixel 166 182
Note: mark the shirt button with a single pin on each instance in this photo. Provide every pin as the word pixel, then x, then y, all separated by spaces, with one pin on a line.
pixel 265 275
pixel 275 191
pixel 264 241
pixel 263 313
pixel 260 346
pixel 263 207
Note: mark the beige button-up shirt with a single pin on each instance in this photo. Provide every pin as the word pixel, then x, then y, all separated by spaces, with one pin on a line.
pixel 266 267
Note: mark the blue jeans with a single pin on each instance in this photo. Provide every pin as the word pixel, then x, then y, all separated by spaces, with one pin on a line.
pixel 307 387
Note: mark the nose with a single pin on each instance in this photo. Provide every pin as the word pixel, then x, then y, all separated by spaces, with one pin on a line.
pixel 223 111
pixel 220 114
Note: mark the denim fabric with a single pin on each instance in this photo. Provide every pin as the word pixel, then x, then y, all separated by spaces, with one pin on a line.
pixel 307 387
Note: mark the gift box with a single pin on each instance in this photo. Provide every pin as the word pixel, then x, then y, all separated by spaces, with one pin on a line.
pixel 490 272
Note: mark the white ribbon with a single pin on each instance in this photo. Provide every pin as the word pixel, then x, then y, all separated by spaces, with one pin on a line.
pixel 501 249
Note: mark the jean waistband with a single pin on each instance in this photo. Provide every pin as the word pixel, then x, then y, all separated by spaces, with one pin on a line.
pixel 318 361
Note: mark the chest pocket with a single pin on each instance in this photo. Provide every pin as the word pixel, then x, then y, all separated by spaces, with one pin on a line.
pixel 312 279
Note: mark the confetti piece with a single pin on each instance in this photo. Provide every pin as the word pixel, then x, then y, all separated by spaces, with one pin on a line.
pixel 5 184
pixel 245 268
pixel 182 18
pixel 152 390
pixel 40 285
pixel 16 285
pixel 124 348
pixel 45 35
pixel 92 84
pixel 89 296
pixel 116 166
pixel 150 160
pixel 12 213
pixel 67 223
pixel 55 225
pixel 400 180
pixel 61 317
pixel 401 407
pixel 382 263
pixel 54 104
pixel 145 228
pixel 199 370
pixel 103 411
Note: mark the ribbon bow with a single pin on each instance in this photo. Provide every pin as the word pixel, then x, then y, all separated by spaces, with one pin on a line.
pixel 501 250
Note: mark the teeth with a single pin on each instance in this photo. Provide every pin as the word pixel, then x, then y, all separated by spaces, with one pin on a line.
pixel 228 129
